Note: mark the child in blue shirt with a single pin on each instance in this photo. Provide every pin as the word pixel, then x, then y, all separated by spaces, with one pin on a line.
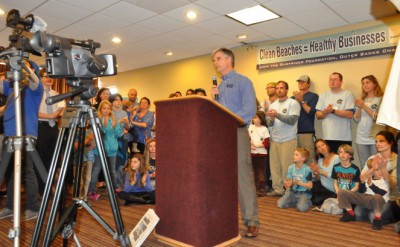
pixel 345 175
pixel 137 186
pixel 298 183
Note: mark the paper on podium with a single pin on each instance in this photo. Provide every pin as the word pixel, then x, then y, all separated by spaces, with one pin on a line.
pixel 145 226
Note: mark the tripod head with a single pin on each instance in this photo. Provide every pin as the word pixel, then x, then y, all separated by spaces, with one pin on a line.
pixel 82 91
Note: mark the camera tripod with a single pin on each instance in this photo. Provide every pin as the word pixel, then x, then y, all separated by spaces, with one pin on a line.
pixel 74 119
pixel 18 143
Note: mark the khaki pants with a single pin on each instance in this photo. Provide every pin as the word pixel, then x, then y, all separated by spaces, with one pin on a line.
pixel 281 157
pixel 247 190
pixel 306 141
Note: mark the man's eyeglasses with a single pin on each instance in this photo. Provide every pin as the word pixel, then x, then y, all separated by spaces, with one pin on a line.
pixel 269 87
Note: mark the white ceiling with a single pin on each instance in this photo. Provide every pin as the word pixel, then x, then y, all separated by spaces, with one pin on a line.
pixel 148 28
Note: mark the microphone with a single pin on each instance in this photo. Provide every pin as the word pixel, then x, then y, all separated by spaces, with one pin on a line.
pixel 214 79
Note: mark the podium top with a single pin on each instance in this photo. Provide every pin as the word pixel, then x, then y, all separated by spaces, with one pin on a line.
pixel 205 99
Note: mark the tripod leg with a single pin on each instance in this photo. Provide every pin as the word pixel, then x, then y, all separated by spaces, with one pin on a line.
pixel 60 183
pixel 94 122
pixel 47 190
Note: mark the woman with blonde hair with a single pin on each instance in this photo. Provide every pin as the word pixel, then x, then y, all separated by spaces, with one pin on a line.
pixel 111 130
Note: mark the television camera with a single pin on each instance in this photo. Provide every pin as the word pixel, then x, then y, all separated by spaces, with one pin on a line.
pixel 67 58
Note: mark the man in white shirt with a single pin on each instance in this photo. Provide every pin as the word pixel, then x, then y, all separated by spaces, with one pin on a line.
pixel 283 115
pixel 335 108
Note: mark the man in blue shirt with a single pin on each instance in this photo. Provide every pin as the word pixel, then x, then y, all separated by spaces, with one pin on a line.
pixel 305 127
pixel 236 92
pixel 31 97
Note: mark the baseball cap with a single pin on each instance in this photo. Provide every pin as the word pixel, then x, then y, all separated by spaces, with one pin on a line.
pixel 305 78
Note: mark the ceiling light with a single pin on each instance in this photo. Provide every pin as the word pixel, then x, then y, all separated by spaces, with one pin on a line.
pixel 168 53
pixel 191 15
pixel 116 40
pixel 253 15
pixel 242 36
pixel 2 12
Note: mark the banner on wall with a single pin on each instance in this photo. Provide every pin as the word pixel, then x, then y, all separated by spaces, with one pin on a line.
pixel 372 41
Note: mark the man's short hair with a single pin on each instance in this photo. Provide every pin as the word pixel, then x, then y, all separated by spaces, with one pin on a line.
pixel 338 74
pixel 227 53
pixel 285 83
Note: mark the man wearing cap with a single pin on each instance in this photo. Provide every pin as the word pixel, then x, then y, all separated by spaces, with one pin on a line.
pixel 335 109
pixel 305 127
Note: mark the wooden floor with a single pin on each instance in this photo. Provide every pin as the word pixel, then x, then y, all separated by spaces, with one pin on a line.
pixel 280 227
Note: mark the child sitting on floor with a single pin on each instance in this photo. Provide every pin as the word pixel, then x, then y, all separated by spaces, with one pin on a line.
pixel 137 186
pixel 298 183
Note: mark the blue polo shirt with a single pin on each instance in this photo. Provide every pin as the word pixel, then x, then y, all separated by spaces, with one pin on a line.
pixel 236 92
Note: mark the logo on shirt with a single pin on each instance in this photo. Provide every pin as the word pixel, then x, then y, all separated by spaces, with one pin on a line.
pixel 229 85
pixel 284 110
pixel 374 106
pixel 339 101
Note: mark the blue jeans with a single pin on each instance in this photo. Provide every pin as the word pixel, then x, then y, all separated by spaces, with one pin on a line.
pixel 96 171
pixel 364 152
pixel 290 199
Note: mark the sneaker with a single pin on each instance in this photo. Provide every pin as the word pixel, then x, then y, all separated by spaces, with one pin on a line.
pixel 274 193
pixel 30 215
pixel 6 212
pixel 93 196
pixel 347 217
pixel 377 224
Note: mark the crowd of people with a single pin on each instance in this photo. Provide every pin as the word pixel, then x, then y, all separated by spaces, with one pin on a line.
pixel 287 159
pixel 307 171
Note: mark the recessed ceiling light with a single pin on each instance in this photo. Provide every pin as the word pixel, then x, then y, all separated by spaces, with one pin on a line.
pixel 116 40
pixel 168 53
pixel 242 36
pixel 253 15
pixel 2 12
pixel 191 15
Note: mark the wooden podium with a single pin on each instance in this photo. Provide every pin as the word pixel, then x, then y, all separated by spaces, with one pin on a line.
pixel 197 180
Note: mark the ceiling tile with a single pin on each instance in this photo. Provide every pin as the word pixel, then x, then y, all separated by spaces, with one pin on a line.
pixel 190 33
pixel 92 5
pixel 322 18
pixel 214 42
pixel 275 28
pixel 127 12
pixel 22 4
pixel 159 6
pixel 220 24
pixel 251 34
pixel 105 23
pixel 134 33
pixel 162 23
pixel 290 7
pixel 62 11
